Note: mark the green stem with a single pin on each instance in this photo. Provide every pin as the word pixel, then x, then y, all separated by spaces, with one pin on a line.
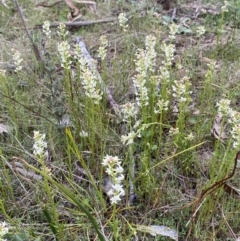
pixel 72 197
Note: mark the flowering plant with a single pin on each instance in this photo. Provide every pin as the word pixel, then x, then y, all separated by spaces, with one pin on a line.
pixel 115 171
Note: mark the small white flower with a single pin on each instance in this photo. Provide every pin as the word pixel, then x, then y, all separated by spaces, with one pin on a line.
pixel 158 16
pixel 164 73
pixel 114 170
pixel 160 106
pixel 63 49
pixel 115 198
pixel 129 110
pixel 224 107
pixel 3 229
pixel 17 60
pixel 127 140
pixel 200 31
pixel 181 89
pixel 88 77
pixel 110 160
pixel 225 6
pixel 62 30
pixel 173 131
pixel 39 146
pixel 168 50
pixel 151 54
pixel 173 30
pixel 137 124
pixel 120 177
pixel 118 169
pixel 46 29
pixel 122 18
pixel 83 133
pixel 190 137
pixel 102 51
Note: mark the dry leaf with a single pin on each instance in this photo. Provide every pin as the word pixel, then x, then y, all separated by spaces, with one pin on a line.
pixel 231 190
pixel 72 6
pixel 4 4
pixel 65 121
pixel 218 129
pixel 159 230
pixel 19 168
pixel 4 129
pixel 85 2
pixel 28 174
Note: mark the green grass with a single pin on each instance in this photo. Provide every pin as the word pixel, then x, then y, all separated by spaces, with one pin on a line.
pixel 61 196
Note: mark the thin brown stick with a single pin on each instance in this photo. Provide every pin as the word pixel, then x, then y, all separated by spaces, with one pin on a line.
pixel 80 23
pixel 46 5
pixel 35 49
pixel 218 184
pixel 210 190
pixel 26 107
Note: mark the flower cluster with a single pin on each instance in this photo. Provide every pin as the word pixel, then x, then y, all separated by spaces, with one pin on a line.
pixel 224 8
pixel 209 73
pixel 189 137
pixel 102 51
pixel 115 171
pixel 145 62
pixel 235 131
pixel 139 80
pixel 3 230
pixel 233 119
pixel 62 30
pixel 168 50
pixel 90 85
pixel 173 131
pixel 83 134
pixel 63 49
pixel 122 18
pixel 129 110
pixel 151 54
pixel 160 106
pixel 164 74
pixel 46 29
pixel 181 89
pixel 88 77
pixel 40 145
pixel 200 31
pixel 17 60
pixel 128 139
pixel 224 107
pixel 173 30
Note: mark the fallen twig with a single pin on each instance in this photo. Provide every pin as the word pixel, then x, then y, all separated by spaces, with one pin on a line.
pixel 35 49
pixel 80 23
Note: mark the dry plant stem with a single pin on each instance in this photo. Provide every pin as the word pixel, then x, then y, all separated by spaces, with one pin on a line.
pixel 131 177
pixel 210 190
pixel 46 5
pixel 88 59
pixel 218 184
pixel 34 112
pixel 35 49
pixel 233 235
pixel 80 23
